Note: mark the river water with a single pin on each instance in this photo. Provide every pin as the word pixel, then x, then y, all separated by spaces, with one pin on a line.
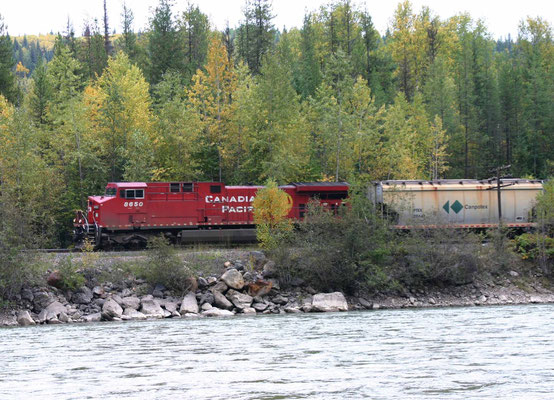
pixel 452 353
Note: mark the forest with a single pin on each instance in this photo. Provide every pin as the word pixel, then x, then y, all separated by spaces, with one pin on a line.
pixel 331 100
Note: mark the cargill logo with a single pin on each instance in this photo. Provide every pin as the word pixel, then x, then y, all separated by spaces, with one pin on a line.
pixel 456 207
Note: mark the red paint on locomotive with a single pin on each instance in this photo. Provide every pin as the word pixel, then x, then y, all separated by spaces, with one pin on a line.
pixel 164 206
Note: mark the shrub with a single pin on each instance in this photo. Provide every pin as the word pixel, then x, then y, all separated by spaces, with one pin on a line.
pixel 164 266
pixel 17 270
pixel 438 257
pixel 271 207
pixel 71 274
pixel 349 251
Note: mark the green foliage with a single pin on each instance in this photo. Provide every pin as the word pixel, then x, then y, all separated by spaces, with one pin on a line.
pixel 348 252
pixel 163 265
pixel 71 273
pixel 8 87
pixel 533 246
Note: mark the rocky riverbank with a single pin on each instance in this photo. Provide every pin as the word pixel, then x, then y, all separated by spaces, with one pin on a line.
pixel 239 290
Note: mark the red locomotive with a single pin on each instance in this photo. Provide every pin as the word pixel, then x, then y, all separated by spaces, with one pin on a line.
pixel 129 212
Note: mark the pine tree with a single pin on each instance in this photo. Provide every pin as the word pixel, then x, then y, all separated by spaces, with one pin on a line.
pixel 8 87
pixel 164 47
pixel 194 28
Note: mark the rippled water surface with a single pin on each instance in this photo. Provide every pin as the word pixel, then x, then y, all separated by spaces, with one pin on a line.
pixel 455 353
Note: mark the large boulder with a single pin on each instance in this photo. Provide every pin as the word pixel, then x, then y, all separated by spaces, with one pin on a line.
pixel 233 279
pixel 42 300
pixel 189 304
pixel 329 302
pixel 130 302
pixel 131 313
pixel 239 300
pixel 220 287
pixel 56 308
pixel 216 312
pixel 24 318
pixel 92 317
pixel 151 308
pixel 82 296
pixel 111 310
pixel 221 301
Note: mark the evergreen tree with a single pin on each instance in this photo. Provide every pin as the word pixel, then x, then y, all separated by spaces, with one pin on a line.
pixel 256 33
pixel 41 93
pixel 195 28
pixel 164 46
pixel 8 87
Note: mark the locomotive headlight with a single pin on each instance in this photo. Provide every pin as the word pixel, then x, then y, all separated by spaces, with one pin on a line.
pixel 96 215
pixel 96 207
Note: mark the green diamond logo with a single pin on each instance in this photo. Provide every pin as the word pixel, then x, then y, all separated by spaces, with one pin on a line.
pixel 446 207
pixel 456 206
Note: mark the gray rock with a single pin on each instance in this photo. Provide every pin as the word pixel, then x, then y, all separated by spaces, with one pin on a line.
pixel 158 290
pixel 151 308
pixel 27 294
pixel 63 317
pixel 131 313
pixel 92 317
pixel 240 300
pixel 259 306
pixel 311 290
pixel 82 296
pixel 98 302
pixel 207 297
pixel 131 302
pixel 329 302
pixel 292 310
pixel 268 270
pixel 170 305
pixel 54 321
pixel 42 300
pixel 220 287
pixel 98 291
pixel 249 311
pixel 279 299
pixel 216 312
pixel 189 304
pixel 212 280
pixel 221 301
pixel 117 299
pixel 202 282
pixel 432 301
pixel 167 314
pixel 56 308
pixel 365 304
pixel 206 306
pixel 514 274
pixel 126 292
pixel 111 310
pixel 233 279
pixel 24 318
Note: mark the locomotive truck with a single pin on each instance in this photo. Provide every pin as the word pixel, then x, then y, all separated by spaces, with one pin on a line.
pixel 128 213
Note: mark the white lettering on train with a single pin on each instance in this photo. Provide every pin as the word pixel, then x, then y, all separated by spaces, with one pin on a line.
pixel 238 209
pixel 232 199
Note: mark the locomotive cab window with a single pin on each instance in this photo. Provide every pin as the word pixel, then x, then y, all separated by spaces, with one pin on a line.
pixel 134 194
pixel 111 192
pixel 215 189
pixel 187 187
pixel 174 187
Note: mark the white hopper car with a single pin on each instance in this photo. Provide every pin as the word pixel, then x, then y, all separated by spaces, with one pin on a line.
pixel 456 203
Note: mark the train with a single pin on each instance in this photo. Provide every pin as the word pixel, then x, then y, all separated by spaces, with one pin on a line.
pixel 128 213
pixel 457 203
